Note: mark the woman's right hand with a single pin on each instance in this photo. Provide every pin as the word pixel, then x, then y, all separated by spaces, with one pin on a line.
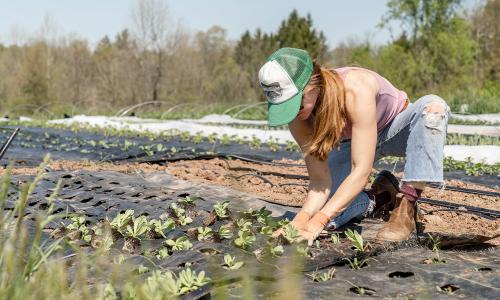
pixel 299 223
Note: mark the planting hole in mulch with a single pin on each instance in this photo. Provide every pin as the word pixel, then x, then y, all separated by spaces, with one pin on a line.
pixel 362 290
pixel 484 269
pixel 399 274
pixel 449 288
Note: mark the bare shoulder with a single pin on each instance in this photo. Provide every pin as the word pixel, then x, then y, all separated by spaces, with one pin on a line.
pixel 361 88
pixel 360 81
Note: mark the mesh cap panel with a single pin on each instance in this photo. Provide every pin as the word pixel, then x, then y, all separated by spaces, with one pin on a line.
pixel 297 63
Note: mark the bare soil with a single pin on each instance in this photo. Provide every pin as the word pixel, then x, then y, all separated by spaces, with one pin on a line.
pixel 276 188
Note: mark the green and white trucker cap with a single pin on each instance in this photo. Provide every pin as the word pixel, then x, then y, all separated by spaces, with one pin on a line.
pixel 283 78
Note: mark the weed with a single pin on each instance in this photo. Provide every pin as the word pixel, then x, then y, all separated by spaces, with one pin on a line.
pixel 319 276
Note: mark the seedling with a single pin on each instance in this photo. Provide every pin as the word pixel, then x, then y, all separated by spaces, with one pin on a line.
pixel 266 230
pixel 303 250
pixel 160 228
pixel 335 238
pixel 212 138
pixel 275 250
pixel 204 233
pixel 221 209
pixel 140 226
pixel 121 221
pixel 255 142
pixel 183 220
pixel 273 144
pixel 435 247
pixel 186 201
pixel 291 146
pixel 244 224
pixel 178 211
pixel 182 243
pixel 225 233
pixel 162 253
pixel 225 139
pixel 126 145
pixel 185 136
pixel 319 276
pixel 356 240
pixel 290 233
pixel 190 281
pixel 160 148
pixel 263 216
pixel 198 138
pixel 356 264
pixel 79 228
pixel 244 240
pixel 230 263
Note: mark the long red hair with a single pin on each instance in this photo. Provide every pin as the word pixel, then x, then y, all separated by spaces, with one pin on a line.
pixel 329 112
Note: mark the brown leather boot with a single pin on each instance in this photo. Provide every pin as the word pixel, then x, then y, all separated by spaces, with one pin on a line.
pixel 402 221
pixel 384 188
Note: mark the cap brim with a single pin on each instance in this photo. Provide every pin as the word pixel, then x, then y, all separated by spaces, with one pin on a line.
pixel 284 113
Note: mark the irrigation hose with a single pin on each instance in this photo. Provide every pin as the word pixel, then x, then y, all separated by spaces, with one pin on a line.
pixel 8 142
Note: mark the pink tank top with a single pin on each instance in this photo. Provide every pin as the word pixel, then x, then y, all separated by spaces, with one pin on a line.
pixel 389 101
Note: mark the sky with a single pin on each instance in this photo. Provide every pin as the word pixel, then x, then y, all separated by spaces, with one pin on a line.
pixel 340 20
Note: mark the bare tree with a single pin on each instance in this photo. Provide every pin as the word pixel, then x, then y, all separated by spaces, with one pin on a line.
pixel 157 37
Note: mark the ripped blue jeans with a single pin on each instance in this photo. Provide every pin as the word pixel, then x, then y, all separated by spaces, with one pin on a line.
pixel 415 134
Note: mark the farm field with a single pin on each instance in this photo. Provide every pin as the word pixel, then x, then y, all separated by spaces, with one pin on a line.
pixel 185 214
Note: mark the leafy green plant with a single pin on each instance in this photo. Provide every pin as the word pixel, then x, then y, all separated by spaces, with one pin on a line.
pixel 244 240
pixel 255 143
pixel 204 233
pixel 212 138
pixel 225 139
pixel 273 144
pixel 198 137
pixel 184 220
pixel 139 228
pixel 225 233
pixel 221 209
pixel 266 230
pixel 290 233
pixel 186 201
pixel 335 238
pixel 121 221
pixel 230 263
pixel 275 250
pixel 190 281
pixel 244 224
pixel 291 146
pixel 160 227
pixel 262 216
pixel 160 147
pixel 356 240
pixel 185 136
pixel 182 243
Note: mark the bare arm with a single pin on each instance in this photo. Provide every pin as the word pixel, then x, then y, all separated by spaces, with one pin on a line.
pixel 320 181
pixel 361 90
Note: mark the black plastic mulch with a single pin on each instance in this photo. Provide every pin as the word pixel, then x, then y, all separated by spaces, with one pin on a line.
pixel 392 270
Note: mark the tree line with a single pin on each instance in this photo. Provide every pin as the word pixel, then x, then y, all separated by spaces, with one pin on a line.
pixel 440 49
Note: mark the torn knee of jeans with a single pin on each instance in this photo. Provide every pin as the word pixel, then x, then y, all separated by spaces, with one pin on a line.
pixel 434 116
